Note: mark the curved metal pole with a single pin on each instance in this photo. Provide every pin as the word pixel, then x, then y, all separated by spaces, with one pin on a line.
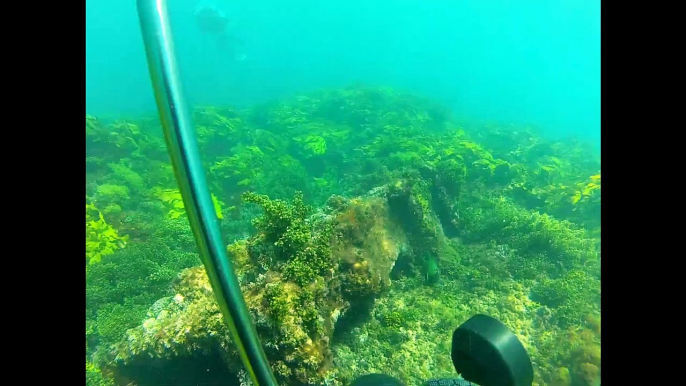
pixel 183 149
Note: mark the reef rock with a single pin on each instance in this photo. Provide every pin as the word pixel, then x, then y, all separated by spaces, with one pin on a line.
pixel 299 275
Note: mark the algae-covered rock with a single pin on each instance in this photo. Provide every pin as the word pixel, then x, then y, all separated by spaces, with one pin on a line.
pixel 299 274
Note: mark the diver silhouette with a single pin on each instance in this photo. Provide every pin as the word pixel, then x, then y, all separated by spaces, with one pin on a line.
pixel 214 21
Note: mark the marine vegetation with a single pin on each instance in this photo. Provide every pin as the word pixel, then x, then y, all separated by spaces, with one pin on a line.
pixel 365 225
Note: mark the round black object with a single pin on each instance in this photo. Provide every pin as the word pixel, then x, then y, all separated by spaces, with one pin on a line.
pixel 376 380
pixel 487 353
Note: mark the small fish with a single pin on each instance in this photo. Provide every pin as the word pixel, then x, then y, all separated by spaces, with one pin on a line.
pixel 431 271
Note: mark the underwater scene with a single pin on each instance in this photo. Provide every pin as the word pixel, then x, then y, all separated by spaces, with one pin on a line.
pixel 366 220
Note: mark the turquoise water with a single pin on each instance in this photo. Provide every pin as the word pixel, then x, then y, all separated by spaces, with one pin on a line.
pixel 381 172
pixel 530 62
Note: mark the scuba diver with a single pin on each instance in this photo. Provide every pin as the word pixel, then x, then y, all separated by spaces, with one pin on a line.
pixel 214 21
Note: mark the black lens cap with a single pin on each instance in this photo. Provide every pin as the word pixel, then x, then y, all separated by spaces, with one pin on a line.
pixel 486 352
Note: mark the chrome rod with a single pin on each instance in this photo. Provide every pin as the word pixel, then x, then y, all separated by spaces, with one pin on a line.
pixel 183 149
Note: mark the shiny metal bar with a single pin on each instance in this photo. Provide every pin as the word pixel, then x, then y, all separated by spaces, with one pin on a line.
pixel 183 149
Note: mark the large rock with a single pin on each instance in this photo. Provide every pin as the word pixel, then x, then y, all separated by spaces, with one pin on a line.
pixel 299 275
